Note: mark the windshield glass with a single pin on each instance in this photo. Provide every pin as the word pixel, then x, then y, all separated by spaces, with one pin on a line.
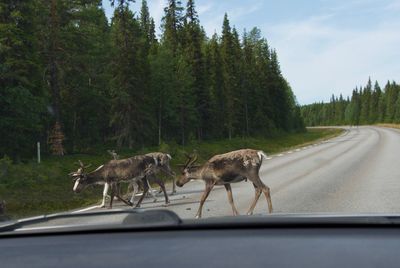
pixel 203 108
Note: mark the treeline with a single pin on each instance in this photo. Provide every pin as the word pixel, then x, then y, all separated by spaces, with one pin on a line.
pixel 367 105
pixel 72 80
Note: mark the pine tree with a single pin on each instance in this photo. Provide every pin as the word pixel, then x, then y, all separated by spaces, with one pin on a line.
pixel 228 63
pixel 131 118
pixel 195 61
pixel 374 108
pixel 365 103
pixel 215 84
pixel 22 100
pixel 172 24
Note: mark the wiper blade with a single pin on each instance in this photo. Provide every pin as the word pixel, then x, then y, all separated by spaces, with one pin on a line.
pixel 117 218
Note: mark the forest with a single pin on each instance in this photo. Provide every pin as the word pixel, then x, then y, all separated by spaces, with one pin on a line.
pixel 368 105
pixel 74 80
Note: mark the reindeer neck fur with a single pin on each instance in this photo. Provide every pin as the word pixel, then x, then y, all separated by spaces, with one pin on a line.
pixel 96 176
pixel 201 173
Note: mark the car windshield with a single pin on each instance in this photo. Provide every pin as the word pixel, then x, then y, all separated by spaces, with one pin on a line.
pixel 203 108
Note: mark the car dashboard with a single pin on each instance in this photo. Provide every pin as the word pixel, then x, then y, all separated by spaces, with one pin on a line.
pixel 279 241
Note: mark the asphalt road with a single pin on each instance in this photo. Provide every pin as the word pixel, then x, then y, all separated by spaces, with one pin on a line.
pixel 357 172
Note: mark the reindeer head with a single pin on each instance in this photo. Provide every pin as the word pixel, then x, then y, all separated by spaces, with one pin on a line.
pixel 114 154
pixel 187 170
pixel 164 165
pixel 79 177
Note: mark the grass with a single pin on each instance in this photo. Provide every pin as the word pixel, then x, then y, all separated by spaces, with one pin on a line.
pixel 389 125
pixel 32 189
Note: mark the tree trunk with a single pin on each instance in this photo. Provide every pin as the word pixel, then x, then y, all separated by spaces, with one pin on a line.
pixel 54 85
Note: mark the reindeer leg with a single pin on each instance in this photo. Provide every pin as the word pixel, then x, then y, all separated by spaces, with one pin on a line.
pixel 151 189
pixel 117 194
pixel 105 191
pixel 173 185
pixel 145 190
pixel 262 187
pixel 256 197
pixel 162 187
pixel 207 191
pixel 230 198
pixel 267 193
pixel 135 190
pixel 112 195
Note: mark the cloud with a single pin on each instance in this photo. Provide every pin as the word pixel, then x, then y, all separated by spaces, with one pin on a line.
pixel 201 9
pixel 393 6
pixel 212 17
pixel 319 58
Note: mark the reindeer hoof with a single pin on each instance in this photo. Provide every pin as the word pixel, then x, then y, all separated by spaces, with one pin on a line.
pixel 103 206
pixel 155 200
pixel 197 217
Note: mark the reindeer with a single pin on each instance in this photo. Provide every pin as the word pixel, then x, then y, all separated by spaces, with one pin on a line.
pixel 225 169
pixel 133 184
pixel 162 165
pixel 115 171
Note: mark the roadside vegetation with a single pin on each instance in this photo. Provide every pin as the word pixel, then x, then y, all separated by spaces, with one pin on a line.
pixel 32 189
pixel 389 125
pixel 368 105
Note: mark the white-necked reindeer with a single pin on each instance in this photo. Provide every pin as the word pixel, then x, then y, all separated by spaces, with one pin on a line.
pixel 225 169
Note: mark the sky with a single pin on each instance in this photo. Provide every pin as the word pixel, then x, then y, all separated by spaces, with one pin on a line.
pixel 324 47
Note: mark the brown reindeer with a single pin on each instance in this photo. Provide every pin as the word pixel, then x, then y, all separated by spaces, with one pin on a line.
pixel 225 169
pixel 162 164
pixel 114 172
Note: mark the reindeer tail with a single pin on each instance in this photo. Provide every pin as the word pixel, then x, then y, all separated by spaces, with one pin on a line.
pixel 262 155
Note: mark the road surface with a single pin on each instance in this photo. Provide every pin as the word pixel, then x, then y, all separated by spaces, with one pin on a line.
pixel 357 172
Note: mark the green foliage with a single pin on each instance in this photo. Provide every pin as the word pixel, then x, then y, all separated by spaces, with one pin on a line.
pixel 113 84
pixel 22 100
pixel 367 106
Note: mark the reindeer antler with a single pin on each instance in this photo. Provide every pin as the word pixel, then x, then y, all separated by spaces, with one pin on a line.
pixel 82 165
pixel 191 159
